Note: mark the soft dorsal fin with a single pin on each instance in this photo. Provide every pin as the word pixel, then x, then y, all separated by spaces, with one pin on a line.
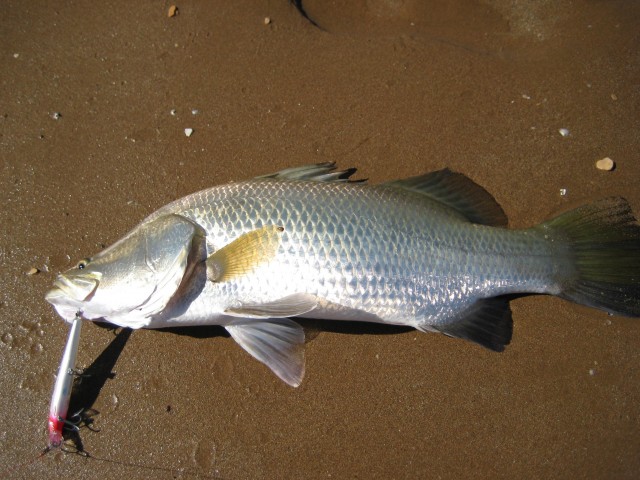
pixel 458 192
pixel 319 172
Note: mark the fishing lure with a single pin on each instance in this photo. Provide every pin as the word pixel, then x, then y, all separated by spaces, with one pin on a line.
pixel 62 388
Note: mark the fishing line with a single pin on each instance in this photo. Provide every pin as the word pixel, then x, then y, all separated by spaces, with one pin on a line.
pixel 174 471
pixel 178 471
pixel 22 465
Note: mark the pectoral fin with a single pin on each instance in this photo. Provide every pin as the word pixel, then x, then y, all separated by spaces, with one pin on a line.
pixel 244 254
pixel 278 343
pixel 291 306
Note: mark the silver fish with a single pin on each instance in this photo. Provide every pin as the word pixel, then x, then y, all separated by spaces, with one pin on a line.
pixel 430 252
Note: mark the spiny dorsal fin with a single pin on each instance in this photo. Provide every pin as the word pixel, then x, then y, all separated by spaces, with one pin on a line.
pixel 488 323
pixel 320 172
pixel 244 254
pixel 458 192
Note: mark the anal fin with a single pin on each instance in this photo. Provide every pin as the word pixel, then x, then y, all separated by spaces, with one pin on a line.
pixel 488 323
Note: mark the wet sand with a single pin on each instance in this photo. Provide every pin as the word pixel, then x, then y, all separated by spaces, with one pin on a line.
pixel 395 88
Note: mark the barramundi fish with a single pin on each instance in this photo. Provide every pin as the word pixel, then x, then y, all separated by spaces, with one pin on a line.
pixel 430 252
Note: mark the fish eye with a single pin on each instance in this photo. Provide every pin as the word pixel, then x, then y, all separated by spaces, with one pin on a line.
pixel 82 264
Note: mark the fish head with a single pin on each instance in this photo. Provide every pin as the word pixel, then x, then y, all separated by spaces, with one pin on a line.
pixel 133 279
pixel 72 289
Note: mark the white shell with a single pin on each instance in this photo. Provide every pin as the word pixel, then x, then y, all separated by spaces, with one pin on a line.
pixel 605 164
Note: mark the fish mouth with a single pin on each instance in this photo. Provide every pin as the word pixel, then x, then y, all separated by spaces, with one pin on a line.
pixel 78 289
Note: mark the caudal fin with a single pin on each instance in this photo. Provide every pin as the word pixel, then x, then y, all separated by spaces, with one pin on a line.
pixel 604 240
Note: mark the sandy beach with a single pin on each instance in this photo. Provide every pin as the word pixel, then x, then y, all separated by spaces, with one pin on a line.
pixel 522 97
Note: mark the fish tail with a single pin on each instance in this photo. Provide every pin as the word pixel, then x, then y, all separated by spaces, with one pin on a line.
pixel 603 241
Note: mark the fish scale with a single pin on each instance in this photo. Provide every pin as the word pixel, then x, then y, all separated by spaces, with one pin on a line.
pixel 414 268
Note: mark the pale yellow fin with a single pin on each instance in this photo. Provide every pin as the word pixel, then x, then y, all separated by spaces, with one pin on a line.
pixel 244 254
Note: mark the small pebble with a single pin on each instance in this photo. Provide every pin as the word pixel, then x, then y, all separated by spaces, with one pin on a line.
pixel 33 271
pixel 592 371
pixel 173 112
pixel 172 12
pixel 563 192
pixel 188 131
pixel 605 164
pixel 16 55
pixel 195 111
pixel 564 132
pixel 56 115
pixel 267 20
pixel 614 97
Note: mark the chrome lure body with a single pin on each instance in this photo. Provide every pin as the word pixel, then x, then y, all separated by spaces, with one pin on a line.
pixel 62 388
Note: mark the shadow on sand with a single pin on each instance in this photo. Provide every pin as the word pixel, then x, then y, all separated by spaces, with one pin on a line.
pixel 90 381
